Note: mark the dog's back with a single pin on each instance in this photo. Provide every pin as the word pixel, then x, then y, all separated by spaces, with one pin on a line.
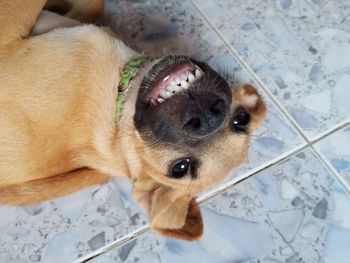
pixel 52 96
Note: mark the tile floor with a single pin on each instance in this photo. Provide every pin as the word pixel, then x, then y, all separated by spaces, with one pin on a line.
pixel 296 207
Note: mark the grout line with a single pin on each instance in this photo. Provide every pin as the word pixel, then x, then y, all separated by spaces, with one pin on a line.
pixel 234 181
pixel 259 82
pixel 222 188
pixel 278 104
pixel 128 237
pixel 256 79
pixel 330 131
pixel 275 100
pixel 331 170
pixel 325 161
pixel 201 199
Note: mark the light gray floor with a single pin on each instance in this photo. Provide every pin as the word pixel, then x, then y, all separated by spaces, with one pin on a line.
pixel 296 207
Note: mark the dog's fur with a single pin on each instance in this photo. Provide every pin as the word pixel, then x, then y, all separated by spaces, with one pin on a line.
pixel 58 133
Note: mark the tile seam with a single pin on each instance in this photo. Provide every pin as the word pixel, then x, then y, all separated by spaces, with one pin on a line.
pixel 201 199
pixel 308 143
pixel 259 82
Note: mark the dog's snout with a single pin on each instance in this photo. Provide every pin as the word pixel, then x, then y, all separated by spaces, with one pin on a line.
pixel 203 115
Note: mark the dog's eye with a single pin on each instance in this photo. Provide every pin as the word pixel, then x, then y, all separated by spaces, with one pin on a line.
pixel 180 169
pixel 240 120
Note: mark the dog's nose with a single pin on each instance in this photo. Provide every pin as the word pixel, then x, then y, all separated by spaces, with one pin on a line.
pixel 203 115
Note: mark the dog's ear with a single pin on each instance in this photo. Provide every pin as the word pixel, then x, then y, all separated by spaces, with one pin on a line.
pixel 248 97
pixel 192 228
pixel 175 216
pixel 170 212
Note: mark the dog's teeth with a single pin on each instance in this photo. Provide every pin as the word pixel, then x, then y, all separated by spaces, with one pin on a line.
pixel 169 88
pixel 188 73
pixel 172 90
pixel 160 100
pixel 198 73
pixel 184 84
pixel 162 93
pixel 165 94
pixel 177 88
pixel 191 77
pixel 183 77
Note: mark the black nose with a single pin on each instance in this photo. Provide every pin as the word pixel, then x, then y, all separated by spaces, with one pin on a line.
pixel 203 115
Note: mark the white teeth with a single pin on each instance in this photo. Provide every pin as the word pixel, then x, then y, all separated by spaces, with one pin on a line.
pixel 162 93
pixel 152 102
pixel 183 76
pixel 177 88
pixel 184 84
pixel 170 88
pixel 191 78
pixel 198 73
pixel 179 84
pixel 165 94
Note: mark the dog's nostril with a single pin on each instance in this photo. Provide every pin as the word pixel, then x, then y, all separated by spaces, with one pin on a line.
pixel 203 115
pixel 195 123
pixel 217 107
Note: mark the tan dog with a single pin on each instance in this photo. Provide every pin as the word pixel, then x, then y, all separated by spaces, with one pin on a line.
pixel 182 130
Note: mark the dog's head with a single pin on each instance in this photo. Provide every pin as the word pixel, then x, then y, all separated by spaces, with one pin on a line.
pixel 191 129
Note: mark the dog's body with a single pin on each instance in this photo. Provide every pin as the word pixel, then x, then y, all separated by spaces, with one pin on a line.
pixel 50 88
pixel 58 132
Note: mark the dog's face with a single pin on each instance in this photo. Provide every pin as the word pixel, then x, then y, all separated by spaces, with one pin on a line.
pixel 193 129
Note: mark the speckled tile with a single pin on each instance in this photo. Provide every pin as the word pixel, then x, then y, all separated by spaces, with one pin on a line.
pixel 336 148
pixel 300 49
pixel 291 212
pixel 66 229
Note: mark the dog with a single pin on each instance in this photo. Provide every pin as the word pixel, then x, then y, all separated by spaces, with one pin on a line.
pixel 179 130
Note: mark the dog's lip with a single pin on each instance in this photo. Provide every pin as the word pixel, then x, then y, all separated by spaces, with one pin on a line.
pixel 176 78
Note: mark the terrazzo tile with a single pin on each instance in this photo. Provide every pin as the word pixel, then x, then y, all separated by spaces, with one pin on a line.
pixel 65 229
pixel 336 148
pixel 291 212
pixel 300 50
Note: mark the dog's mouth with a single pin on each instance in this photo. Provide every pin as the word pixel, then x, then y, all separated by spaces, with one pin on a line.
pixel 177 78
pixel 168 77
pixel 181 101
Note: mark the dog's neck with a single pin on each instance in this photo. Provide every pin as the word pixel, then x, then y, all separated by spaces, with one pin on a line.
pixel 124 52
pixel 128 73
pixel 124 148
